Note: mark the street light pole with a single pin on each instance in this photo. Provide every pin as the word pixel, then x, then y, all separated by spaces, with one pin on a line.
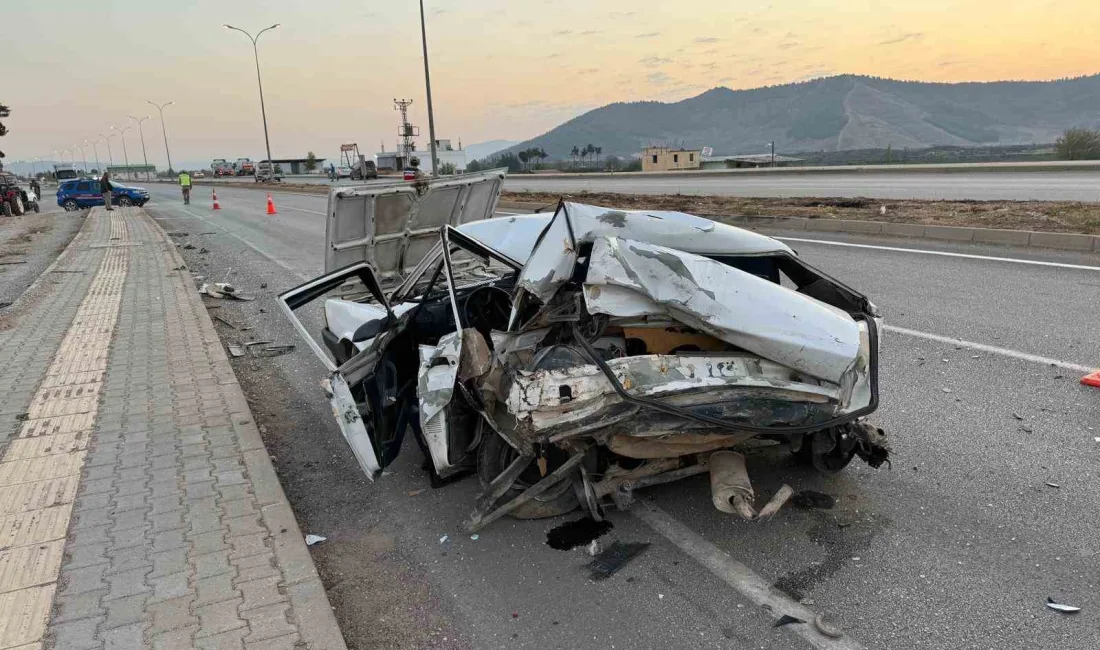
pixel 428 86
pixel 773 153
pixel 95 150
pixel 260 83
pixel 125 156
pixel 164 131
pixel 83 156
pixel 142 133
pixel 110 156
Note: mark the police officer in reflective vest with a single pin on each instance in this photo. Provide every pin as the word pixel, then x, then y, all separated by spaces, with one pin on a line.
pixel 185 185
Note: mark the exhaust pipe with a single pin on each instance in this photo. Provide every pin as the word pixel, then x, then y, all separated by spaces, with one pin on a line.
pixel 731 490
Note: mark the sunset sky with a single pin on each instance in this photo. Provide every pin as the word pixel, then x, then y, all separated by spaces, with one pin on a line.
pixel 500 68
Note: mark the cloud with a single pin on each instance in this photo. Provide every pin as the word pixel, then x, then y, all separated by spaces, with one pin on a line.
pixel 622 14
pixel 725 80
pixel 654 61
pixel 659 78
pixel 911 36
pixel 707 39
pixel 648 35
pixel 788 45
pixel 588 71
pixel 591 32
pixel 563 32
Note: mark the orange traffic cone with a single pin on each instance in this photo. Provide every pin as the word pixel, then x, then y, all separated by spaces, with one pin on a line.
pixel 1092 380
pixel 270 205
pixel 216 206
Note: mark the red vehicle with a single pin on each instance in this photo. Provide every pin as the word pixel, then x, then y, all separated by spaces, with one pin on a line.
pixel 245 167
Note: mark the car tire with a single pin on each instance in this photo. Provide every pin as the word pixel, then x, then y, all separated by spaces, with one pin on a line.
pixel 37 209
pixel 17 206
pixel 7 209
pixel 493 457
pixel 125 201
pixel 70 205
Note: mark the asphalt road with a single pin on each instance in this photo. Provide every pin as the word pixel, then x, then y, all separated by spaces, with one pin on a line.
pixel 982 186
pixel 958 545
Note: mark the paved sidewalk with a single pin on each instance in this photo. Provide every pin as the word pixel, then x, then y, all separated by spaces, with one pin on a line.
pixel 138 506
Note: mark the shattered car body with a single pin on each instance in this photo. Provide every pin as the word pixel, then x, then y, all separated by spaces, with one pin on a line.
pixel 571 358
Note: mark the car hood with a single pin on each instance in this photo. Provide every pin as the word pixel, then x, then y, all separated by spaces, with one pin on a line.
pixel 393 225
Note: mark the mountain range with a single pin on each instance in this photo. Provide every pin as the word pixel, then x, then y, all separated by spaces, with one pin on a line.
pixel 837 113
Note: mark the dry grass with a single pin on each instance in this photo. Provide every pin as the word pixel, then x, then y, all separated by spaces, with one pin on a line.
pixel 1045 216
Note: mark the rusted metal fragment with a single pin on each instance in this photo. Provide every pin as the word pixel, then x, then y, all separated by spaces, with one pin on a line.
pixel 672 446
pixel 730 488
pixel 474 361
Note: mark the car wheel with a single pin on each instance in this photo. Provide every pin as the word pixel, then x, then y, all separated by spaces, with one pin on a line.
pixel 17 206
pixel 37 209
pixel 7 209
pixel 125 201
pixel 494 456
pixel 70 205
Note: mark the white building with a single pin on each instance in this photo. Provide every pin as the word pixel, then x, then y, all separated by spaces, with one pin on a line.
pixel 395 160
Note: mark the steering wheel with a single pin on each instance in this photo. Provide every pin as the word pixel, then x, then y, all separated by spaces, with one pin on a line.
pixel 487 309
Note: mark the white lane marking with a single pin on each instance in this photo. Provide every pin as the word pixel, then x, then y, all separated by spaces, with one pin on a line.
pixel 287 207
pixel 246 242
pixel 992 349
pixel 921 251
pixel 737 575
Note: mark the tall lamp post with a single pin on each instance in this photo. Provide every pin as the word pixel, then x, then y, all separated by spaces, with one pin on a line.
pixel 125 156
pixel 95 150
pixel 260 83
pixel 428 86
pixel 83 156
pixel 164 131
pixel 142 133
pixel 110 156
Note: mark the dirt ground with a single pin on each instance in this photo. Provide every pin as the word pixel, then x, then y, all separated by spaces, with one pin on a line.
pixel 1045 216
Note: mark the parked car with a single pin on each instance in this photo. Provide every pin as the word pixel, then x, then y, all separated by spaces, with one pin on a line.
pixel 84 193
pixel 343 171
pixel 570 358
pixel 264 173
pixel 15 200
pixel 199 174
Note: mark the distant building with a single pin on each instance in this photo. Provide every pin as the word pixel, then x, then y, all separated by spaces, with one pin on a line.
pixel 663 159
pixel 749 160
pixel 297 166
pixel 395 160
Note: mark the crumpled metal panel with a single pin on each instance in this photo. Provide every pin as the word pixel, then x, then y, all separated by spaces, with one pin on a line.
pixel 393 225
pixel 553 258
pixel 752 313
pixel 435 388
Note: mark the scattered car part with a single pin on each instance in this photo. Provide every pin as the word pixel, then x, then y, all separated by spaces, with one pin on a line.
pixel 786 619
pixel 614 558
pixel 315 539
pixel 1059 607
pixel 826 628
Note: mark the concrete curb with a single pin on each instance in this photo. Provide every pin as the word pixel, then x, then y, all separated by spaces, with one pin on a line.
pixel 316 621
pixel 1030 238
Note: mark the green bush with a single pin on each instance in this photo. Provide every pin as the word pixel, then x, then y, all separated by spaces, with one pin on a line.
pixel 1079 144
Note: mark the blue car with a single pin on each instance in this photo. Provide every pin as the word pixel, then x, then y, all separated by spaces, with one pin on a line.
pixel 84 193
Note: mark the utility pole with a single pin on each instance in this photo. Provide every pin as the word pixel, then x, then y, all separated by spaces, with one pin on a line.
pixel 125 156
pixel 83 156
pixel 428 86
pixel 95 150
pixel 164 131
pixel 142 133
pixel 260 83
pixel 773 153
pixel 107 139
pixel 407 130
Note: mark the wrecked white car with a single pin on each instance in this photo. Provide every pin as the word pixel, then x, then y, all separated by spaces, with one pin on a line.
pixel 571 358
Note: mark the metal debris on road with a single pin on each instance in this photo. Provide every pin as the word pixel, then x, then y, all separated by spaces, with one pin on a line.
pixel 268 350
pixel 1025 429
pixel 475 537
pixel 443 539
pixel 787 619
pixel 578 532
pixel 1053 485
pixel 413 493
pixel 202 251
pixel 224 290
pixel 236 351
pixel 829 630
pixel 1059 607
pixel 615 557
pixel 189 247
pixel 315 539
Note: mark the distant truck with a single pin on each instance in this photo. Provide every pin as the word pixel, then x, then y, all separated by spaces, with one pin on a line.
pixel 359 167
pixel 244 167
pixel 222 167
pixel 64 171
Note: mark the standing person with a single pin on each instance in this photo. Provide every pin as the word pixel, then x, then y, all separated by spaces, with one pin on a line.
pixel 105 189
pixel 332 172
pixel 37 188
pixel 185 186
